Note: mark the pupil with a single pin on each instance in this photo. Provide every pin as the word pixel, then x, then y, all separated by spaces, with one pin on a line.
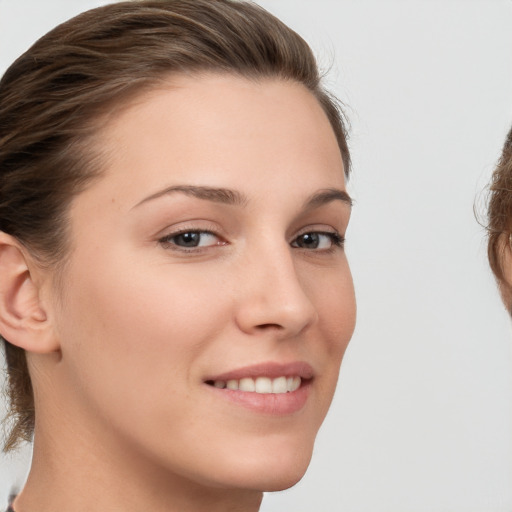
pixel 310 240
pixel 188 239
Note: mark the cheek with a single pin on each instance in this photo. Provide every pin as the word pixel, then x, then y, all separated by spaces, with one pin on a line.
pixel 133 320
pixel 334 299
pixel 335 303
pixel 132 338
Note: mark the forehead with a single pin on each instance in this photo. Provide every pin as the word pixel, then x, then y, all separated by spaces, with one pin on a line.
pixel 227 130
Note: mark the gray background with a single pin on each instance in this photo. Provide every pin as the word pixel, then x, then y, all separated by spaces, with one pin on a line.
pixel 422 420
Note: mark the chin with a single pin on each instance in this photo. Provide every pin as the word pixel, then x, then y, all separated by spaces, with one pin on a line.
pixel 283 482
pixel 276 471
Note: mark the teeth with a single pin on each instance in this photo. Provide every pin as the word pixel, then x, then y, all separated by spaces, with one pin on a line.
pixel 246 385
pixel 279 385
pixel 263 385
pixel 232 384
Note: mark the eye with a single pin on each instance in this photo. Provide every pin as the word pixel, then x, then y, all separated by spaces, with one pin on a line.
pixel 318 240
pixel 191 239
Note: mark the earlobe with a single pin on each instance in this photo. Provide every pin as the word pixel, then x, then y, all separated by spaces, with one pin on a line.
pixel 23 319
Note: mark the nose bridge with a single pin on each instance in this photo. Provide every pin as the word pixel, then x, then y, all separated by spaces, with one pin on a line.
pixel 274 296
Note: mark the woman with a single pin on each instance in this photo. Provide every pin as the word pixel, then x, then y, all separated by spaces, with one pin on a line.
pixel 500 222
pixel 174 296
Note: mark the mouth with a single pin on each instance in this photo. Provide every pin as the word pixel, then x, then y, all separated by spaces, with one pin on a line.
pixel 266 388
pixel 262 385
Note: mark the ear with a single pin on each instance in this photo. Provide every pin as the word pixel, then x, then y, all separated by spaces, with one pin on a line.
pixel 504 252
pixel 23 319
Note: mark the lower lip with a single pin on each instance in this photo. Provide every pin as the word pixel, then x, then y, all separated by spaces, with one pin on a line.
pixel 277 404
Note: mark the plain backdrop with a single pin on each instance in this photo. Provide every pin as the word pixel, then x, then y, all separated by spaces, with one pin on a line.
pixel 422 419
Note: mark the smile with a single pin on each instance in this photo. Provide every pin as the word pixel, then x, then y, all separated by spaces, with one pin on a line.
pixel 269 388
pixel 263 385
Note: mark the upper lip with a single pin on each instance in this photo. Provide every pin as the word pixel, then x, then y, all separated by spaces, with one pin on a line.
pixel 271 370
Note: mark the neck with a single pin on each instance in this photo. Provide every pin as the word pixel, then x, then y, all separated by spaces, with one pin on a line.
pixel 69 473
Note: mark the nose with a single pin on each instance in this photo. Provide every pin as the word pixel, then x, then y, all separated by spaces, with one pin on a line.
pixel 272 296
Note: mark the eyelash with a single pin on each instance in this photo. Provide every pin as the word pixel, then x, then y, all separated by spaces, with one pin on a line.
pixel 167 241
pixel 337 240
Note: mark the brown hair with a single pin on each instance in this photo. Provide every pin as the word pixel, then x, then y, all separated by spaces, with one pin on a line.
pixel 499 224
pixel 53 96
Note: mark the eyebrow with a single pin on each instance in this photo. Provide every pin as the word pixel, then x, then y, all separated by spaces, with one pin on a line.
pixel 326 196
pixel 235 198
pixel 217 195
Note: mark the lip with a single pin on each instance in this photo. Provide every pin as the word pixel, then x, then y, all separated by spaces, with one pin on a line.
pixel 272 370
pixel 267 404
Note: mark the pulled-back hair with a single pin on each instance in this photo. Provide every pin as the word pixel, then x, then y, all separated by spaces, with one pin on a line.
pixel 54 97
pixel 499 223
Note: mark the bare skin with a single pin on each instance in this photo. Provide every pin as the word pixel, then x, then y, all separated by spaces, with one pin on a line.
pixel 208 255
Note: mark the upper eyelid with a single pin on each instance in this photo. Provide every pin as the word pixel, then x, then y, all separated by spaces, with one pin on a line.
pixel 337 239
pixel 180 231
pixel 167 242
pixel 211 227
pixel 169 236
pixel 217 232
pixel 332 234
pixel 199 226
pixel 190 230
pixel 317 228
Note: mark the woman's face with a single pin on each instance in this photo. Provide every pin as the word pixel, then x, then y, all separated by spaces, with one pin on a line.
pixel 208 299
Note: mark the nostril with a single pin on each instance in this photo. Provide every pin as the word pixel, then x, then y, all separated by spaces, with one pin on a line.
pixel 276 327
